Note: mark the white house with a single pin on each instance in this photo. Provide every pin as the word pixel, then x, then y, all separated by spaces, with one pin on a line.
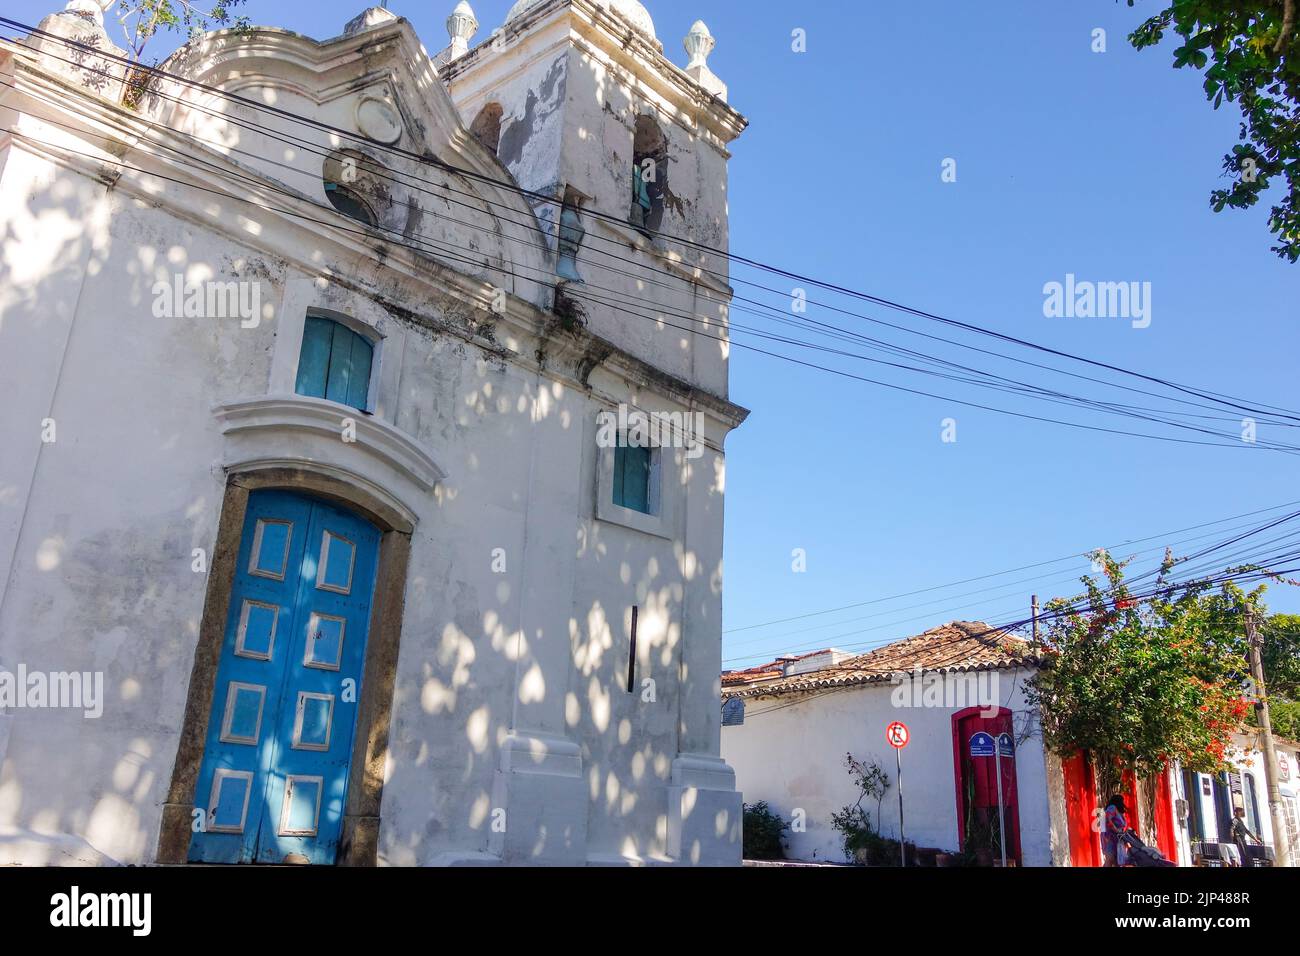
pixel 328 528
pixel 1204 803
pixel 789 723
pixel 958 689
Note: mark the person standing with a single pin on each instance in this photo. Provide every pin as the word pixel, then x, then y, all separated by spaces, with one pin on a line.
pixel 1241 832
pixel 1114 825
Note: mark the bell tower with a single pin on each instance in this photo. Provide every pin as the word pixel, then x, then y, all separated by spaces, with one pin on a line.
pixel 628 153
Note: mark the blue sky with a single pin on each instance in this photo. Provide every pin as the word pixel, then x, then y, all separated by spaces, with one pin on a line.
pixel 1068 161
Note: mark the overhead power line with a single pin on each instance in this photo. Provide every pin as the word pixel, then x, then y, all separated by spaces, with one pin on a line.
pixel 946 610
pixel 1016 570
pixel 1221 399
pixel 1167 590
pixel 441 248
pixel 1281 548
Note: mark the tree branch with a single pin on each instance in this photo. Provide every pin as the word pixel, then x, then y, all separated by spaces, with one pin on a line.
pixel 1288 27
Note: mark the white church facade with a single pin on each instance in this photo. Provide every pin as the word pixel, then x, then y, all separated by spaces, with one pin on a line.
pixel 361 495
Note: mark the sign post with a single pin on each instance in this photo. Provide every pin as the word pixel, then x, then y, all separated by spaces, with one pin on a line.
pixel 1004 749
pixel 986 745
pixel 898 735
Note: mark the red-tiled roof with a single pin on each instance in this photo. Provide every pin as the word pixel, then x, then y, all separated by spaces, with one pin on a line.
pixel 745 676
pixel 771 669
pixel 953 647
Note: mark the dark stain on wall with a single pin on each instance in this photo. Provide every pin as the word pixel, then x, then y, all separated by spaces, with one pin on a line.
pixel 515 136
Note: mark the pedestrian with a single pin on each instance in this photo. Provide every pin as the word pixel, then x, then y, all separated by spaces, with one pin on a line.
pixel 1240 833
pixel 1114 825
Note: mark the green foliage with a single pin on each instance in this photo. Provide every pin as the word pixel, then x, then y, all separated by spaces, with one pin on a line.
pixel 1141 683
pixel 1280 639
pixel 1250 55
pixel 761 834
pixel 857 831
pixel 883 851
pixel 1285 715
pixel 141 20
pixel 982 834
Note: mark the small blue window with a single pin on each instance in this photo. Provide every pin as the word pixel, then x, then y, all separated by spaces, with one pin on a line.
pixel 334 363
pixel 632 477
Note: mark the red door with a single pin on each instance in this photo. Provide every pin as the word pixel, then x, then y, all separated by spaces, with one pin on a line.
pixel 1080 810
pixel 977 780
pixel 1165 839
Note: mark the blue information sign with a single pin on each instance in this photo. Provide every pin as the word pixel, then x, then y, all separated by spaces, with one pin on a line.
pixel 981 745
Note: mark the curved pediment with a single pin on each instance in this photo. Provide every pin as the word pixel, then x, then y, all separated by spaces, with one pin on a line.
pixel 293 431
pixel 286 107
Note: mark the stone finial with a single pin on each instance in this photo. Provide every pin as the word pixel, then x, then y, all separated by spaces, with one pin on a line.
pixel 90 9
pixel 699 44
pixel 98 64
pixel 370 17
pixel 461 25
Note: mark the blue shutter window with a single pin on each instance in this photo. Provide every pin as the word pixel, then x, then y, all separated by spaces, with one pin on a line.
pixel 632 477
pixel 334 363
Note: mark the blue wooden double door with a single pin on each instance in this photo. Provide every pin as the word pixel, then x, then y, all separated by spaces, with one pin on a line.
pixel 273 781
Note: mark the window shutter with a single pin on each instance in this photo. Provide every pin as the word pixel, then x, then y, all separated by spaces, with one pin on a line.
pixel 359 379
pixel 335 363
pixel 636 487
pixel 314 361
pixel 340 376
pixel 632 478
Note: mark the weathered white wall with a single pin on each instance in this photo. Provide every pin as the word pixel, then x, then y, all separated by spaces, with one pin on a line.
pixel 103 521
pixel 792 755
pixel 570 103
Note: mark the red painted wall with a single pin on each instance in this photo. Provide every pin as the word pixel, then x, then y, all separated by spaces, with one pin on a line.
pixel 1166 842
pixel 1080 804
pixel 1129 789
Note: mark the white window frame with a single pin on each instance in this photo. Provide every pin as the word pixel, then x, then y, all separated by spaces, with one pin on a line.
pixel 664 478
pixel 303 297
pixel 365 331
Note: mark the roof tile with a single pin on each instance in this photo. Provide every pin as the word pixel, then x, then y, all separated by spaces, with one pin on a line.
pixel 953 647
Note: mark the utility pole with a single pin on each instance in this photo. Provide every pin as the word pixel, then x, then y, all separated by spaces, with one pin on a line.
pixel 1033 607
pixel 1280 842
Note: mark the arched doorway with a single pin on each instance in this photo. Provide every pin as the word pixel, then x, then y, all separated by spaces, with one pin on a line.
pixel 983 749
pixel 277 754
pixel 356 769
